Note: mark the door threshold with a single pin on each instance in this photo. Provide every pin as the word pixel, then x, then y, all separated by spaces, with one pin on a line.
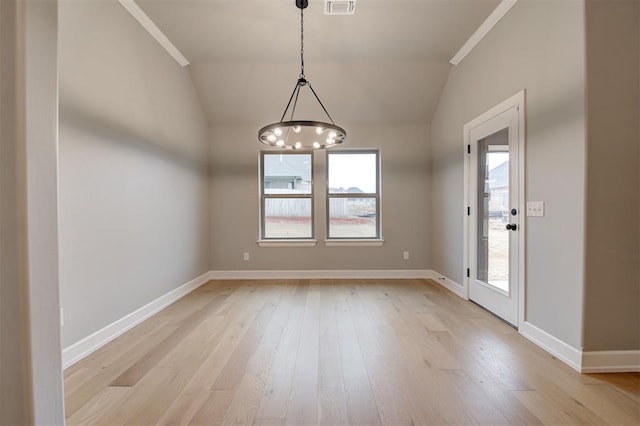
pixel 494 315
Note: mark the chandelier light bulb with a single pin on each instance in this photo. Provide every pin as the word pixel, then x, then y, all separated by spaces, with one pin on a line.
pixel 271 138
pixel 319 130
pixel 316 145
pixel 280 142
pixel 297 129
pixel 298 145
pixel 277 131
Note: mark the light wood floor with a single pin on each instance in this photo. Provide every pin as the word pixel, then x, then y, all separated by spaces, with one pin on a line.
pixel 335 352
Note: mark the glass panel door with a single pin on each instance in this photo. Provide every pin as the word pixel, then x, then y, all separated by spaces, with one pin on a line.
pixel 494 182
pixel 493 210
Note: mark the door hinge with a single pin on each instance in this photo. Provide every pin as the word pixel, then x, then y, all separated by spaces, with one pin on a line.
pixel 468 149
pixel 468 211
pixel 468 273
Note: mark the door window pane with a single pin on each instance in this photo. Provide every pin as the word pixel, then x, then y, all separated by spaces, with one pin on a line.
pixel 493 210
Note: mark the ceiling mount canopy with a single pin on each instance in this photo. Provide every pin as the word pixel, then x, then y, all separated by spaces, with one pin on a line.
pixel 302 134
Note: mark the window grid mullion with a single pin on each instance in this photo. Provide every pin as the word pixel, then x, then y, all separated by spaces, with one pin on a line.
pixel 351 195
pixel 287 195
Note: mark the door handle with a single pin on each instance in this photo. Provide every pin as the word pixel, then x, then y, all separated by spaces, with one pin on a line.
pixel 512 226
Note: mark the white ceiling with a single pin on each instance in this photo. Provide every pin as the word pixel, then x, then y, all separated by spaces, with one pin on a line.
pixel 386 64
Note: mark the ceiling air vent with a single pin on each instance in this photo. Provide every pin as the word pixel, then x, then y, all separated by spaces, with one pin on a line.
pixel 340 7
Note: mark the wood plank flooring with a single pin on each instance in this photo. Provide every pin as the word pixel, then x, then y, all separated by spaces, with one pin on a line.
pixel 335 352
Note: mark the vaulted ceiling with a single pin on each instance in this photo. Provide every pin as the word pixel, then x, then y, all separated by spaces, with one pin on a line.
pixel 387 64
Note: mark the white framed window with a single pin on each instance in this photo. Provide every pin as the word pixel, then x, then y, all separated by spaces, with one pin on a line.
pixel 286 196
pixel 353 195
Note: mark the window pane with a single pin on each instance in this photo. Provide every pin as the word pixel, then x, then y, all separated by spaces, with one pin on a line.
pixel 287 173
pixel 352 218
pixel 287 218
pixel 352 173
pixel 493 210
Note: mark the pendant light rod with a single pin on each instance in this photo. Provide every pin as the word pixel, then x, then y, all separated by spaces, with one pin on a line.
pixel 296 91
pixel 301 4
pixel 321 104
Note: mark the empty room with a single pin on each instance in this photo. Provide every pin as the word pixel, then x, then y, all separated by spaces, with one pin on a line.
pixel 315 212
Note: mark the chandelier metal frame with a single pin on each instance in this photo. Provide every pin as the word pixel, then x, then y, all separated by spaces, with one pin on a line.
pixel 302 134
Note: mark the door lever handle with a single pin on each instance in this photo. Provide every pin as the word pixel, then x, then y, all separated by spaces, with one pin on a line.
pixel 512 226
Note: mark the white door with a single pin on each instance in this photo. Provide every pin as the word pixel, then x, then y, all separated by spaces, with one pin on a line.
pixel 494 229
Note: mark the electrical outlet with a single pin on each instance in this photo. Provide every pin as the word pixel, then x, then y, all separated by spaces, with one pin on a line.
pixel 245 256
pixel 405 255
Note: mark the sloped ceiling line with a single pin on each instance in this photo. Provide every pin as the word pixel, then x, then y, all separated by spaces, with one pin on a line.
pixel 132 7
pixel 483 30
pixel 388 63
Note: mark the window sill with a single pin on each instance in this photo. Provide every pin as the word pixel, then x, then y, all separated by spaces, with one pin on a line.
pixel 353 243
pixel 287 243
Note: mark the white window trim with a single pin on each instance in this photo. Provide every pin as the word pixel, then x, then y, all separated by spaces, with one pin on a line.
pixel 345 242
pixel 288 243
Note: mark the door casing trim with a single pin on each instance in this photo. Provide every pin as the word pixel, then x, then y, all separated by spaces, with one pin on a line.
pixel 517 101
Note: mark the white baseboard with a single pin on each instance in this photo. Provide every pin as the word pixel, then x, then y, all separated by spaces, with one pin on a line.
pixel 556 347
pixel 320 274
pixel 584 362
pixel 89 344
pixel 449 284
pixel 611 362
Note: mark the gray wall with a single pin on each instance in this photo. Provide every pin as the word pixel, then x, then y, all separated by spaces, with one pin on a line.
pixel 30 359
pixel 537 46
pixel 612 286
pixel 405 160
pixel 133 174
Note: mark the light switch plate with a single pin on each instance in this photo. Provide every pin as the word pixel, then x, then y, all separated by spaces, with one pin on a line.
pixel 535 208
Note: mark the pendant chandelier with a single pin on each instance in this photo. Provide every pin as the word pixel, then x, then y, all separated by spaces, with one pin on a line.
pixel 302 134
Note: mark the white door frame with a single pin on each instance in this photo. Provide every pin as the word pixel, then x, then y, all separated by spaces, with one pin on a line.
pixel 517 101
